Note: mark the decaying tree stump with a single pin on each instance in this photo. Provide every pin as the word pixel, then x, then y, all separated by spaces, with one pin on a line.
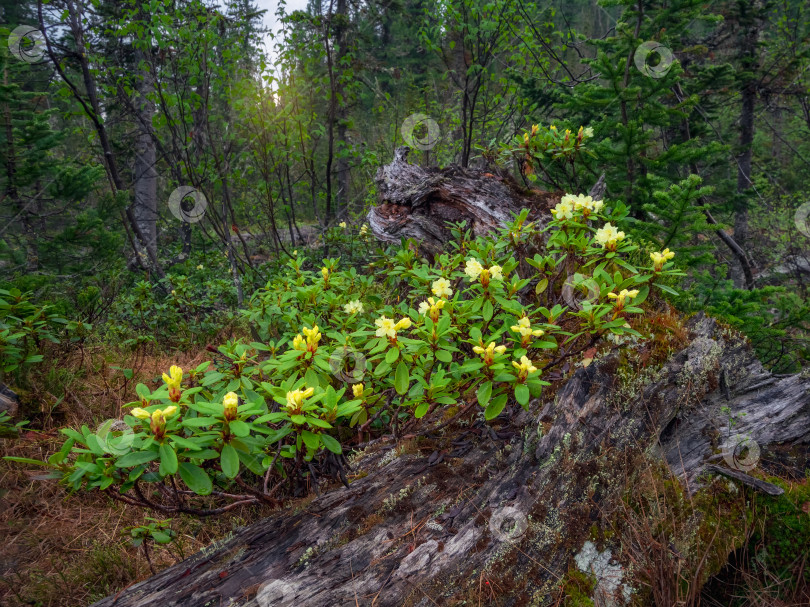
pixel 418 203
pixel 426 527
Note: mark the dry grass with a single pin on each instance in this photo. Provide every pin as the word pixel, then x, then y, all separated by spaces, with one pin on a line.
pixel 68 550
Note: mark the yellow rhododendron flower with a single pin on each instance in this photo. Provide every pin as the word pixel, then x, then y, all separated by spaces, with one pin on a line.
pixel 364 230
pixel 299 343
pixel 608 236
pixel 524 328
pixel 173 380
pixel 313 335
pixel 588 131
pixel 473 269
pixel 563 210
pixel 174 377
pixel 488 354
pixel 342 224
pixel 441 288
pixel 386 327
pixel 432 307
pixel 200 267
pixel 524 368
pixel 403 323
pixel 325 273
pixel 584 204
pixel 296 398
pixel 624 294
pixel 659 259
pixel 357 390
pixel 157 419
pixel 353 306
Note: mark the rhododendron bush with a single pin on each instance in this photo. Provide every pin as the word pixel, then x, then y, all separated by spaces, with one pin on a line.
pixel 343 355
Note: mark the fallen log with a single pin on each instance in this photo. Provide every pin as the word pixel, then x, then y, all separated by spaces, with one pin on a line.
pixel 416 202
pixel 502 513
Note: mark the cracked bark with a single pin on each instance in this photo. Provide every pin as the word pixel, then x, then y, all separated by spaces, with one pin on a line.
pixel 418 203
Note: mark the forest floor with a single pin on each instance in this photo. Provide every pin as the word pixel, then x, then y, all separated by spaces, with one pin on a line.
pixel 63 550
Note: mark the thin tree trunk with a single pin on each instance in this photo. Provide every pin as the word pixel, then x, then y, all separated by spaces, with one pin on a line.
pixel 145 206
pixel 748 94
pixel 92 110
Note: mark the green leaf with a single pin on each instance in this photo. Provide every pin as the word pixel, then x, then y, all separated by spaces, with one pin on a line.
pixel 311 440
pixel 135 458
pixel 444 356
pixel 168 459
pixel 317 421
pixel 331 444
pixel 25 460
pixel 666 289
pixel 210 378
pixel 185 442
pixel 484 393
pixel 229 460
pixel 239 428
pixel 643 293
pixel 541 286
pixel 495 407
pixel 402 378
pixel 252 462
pixel 195 478
pixel 198 422
pixel 487 311
pixel 521 394
pixel 421 410
pixel 161 537
pixel 392 355
pixel 311 379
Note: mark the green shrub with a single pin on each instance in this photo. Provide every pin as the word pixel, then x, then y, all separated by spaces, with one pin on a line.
pixel 345 354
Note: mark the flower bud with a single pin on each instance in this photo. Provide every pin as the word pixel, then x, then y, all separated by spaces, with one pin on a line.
pixel 230 403
pixel 140 413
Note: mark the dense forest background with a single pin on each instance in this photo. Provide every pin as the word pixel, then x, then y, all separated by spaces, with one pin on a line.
pixel 160 160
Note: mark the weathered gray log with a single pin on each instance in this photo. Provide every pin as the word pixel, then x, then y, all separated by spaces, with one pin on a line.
pixel 419 530
pixel 418 203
